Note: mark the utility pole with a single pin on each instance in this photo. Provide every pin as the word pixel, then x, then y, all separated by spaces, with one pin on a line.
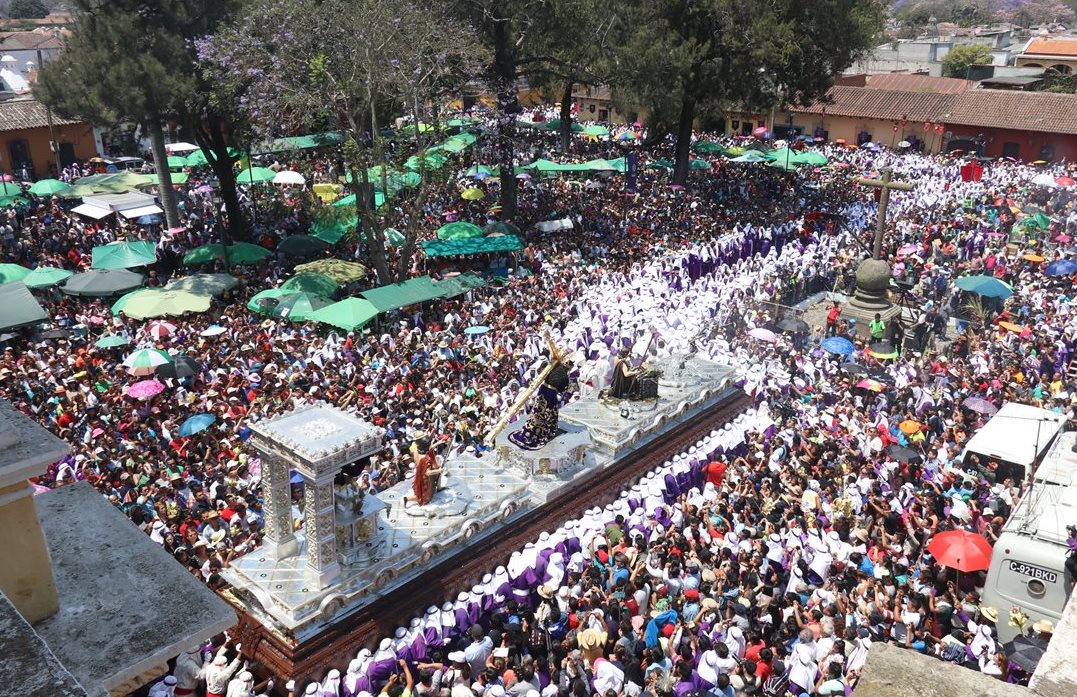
pixel 52 132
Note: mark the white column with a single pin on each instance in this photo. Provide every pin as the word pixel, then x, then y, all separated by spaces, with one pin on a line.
pixel 279 541
pixel 319 526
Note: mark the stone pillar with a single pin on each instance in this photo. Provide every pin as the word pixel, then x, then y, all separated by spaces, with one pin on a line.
pixel 319 526
pixel 279 541
pixel 26 573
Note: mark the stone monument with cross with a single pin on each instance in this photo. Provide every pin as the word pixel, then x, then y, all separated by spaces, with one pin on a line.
pixel 873 275
pixel 316 441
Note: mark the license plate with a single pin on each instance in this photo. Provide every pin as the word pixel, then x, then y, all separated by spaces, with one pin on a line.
pixel 1036 572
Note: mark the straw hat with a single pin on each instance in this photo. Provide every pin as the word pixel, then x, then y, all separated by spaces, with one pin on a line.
pixel 591 640
pixel 989 613
pixel 1043 627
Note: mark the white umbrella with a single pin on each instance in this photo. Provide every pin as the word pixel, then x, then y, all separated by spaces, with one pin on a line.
pixel 1044 180
pixel 289 177
pixel 180 147
pixel 8 58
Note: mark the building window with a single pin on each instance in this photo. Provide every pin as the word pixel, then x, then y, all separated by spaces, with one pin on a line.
pixel 1061 69
pixel 1011 150
pixel 1047 152
pixel 603 114
pixel 19 157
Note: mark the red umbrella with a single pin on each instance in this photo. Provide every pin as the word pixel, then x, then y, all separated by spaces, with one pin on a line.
pixel 961 550
pixel 1064 181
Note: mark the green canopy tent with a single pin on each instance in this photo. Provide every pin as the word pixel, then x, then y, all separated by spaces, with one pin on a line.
pixel 292 306
pixel 595 131
pixel 348 314
pixel 13 272
pixel 409 292
pixel 816 159
pixel 430 160
pixel 46 276
pixel 307 142
pixel 459 231
pixel 176 162
pixel 480 245
pixel 311 282
pixel 501 228
pixel 156 302
pixel 458 285
pixel 198 158
pixel 750 156
pixel 124 255
pixel 555 125
pixel 332 231
pixel 18 307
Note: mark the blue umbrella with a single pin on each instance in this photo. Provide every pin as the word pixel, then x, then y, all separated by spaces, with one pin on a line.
pixel 477 329
pixel 1062 267
pixel 196 424
pixel 295 478
pixel 148 220
pixel 839 345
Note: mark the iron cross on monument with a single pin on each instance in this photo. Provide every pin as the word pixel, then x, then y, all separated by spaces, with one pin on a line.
pixel 887 185
pixel 873 275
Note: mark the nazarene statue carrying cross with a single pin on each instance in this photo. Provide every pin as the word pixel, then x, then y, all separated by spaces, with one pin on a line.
pixel 873 275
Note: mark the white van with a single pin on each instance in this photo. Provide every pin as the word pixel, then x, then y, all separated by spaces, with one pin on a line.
pixel 1016 437
pixel 1028 561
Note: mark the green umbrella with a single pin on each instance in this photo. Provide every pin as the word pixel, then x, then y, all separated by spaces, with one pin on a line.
pixel 12 272
pixel 700 165
pixel 750 156
pixel 176 177
pixel 332 231
pixel 661 164
pixel 430 161
pixel 203 283
pixel 393 237
pixel 708 147
pixel 479 171
pixel 49 187
pixel 255 175
pixel 18 202
pixel 45 276
pixel 316 283
pixel 239 253
pixel 117 307
pixel 10 188
pixel 103 282
pixel 196 159
pixel 301 246
pixel 177 162
pixel 459 231
pixel 18 308
pixel 595 130
pixel 124 255
pixel 265 300
pixel 111 341
pixel 348 314
pixel 340 271
pixel 165 303
pixel 297 307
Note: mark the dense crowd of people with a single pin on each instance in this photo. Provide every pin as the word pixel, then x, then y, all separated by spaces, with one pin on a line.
pixel 766 559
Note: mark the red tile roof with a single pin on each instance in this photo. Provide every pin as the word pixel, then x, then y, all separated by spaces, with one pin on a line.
pixel 1060 46
pixel 17 114
pixel 1045 112
pixel 870 103
pixel 918 83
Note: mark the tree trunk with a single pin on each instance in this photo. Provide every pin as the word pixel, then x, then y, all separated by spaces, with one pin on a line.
pixel 508 107
pixel 684 139
pixel 365 227
pixel 164 177
pixel 223 166
pixel 566 117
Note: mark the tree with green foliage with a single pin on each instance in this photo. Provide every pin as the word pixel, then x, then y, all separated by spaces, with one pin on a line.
pixel 689 59
pixel 959 59
pixel 133 60
pixel 347 66
pixel 27 9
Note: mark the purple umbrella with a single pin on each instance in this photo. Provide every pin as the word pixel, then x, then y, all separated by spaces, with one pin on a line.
pixel 980 406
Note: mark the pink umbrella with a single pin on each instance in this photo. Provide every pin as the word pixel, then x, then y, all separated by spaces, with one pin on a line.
pixel 1063 238
pixel 763 335
pixel 144 389
pixel 908 249
pixel 760 132
pixel 159 329
pixel 7 178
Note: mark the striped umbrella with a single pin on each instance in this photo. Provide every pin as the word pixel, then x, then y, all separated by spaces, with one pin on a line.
pixel 145 361
pixel 160 329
